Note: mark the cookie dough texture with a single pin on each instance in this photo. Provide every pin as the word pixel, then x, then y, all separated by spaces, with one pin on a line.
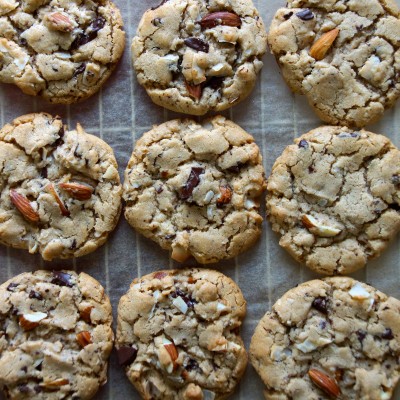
pixel 194 188
pixel 38 157
pixel 181 329
pixel 358 77
pixel 193 68
pixel 334 197
pixel 61 50
pixel 49 359
pixel 346 330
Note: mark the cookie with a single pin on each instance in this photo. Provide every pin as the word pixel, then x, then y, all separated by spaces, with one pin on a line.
pixel 55 336
pixel 194 188
pixel 194 56
pixel 330 338
pixel 334 197
pixel 343 56
pixel 60 189
pixel 178 335
pixel 61 50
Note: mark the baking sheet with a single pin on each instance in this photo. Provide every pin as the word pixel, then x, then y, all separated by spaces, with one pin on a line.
pixel 120 113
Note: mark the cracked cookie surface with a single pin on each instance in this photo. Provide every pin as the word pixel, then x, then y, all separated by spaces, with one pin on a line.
pixel 334 196
pixel 178 335
pixel 61 50
pixel 55 336
pixel 193 56
pixel 345 332
pixel 195 189
pixel 348 79
pixel 60 189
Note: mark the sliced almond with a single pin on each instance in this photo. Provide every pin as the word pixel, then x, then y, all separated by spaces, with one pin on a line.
pixel 220 18
pixel 55 384
pixel 24 206
pixel 195 91
pixel 225 195
pixel 167 355
pixel 59 22
pixel 316 227
pixel 179 253
pixel 85 314
pixel 322 45
pixel 84 338
pixel 64 211
pixel 30 321
pixel 324 382
pixel 77 190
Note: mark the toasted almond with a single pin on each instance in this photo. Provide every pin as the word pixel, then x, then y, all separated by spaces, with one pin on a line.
pixel 172 351
pixel 195 91
pixel 179 253
pixel 167 355
pixel 55 384
pixel 59 22
pixel 323 44
pixel 220 18
pixel 225 196
pixel 324 382
pixel 31 320
pixel 24 206
pixel 85 314
pixel 77 190
pixel 84 338
pixel 64 211
pixel 319 229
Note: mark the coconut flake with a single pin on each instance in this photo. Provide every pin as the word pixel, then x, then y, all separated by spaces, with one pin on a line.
pixel 21 62
pixel 358 292
pixel 180 304
pixel 35 316
pixel 208 197
pixel 249 204
pixel 221 307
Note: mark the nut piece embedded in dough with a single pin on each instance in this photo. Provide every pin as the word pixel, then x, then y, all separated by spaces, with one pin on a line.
pixel 84 338
pixel 315 227
pixel 322 45
pixel 55 384
pixel 220 18
pixel 24 206
pixel 31 321
pixel 168 354
pixel 179 253
pixel 59 22
pixel 77 190
pixel 64 211
pixel 324 382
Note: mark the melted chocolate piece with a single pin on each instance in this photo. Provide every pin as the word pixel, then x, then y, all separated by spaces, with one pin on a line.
pixel 197 44
pixel 303 144
pixel 91 33
pixel 126 355
pixel 361 335
pixel 387 334
pixel 61 279
pixel 12 286
pixel 192 365
pixel 35 295
pixel 305 15
pixel 215 82
pixel 321 304
pixel 80 70
pixel 187 298
pixel 288 15
pixel 192 182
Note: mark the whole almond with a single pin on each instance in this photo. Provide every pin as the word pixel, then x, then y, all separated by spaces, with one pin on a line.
pixel 55 384
pixel 59 22
pixel 24 206
pixel 85 314
pixel 195 91
pixel 31 320
pixel 220 18
pixel 77 190
pixel 64 211
pixel 324 382
pixel 84 338
pixel 172 351
pixel 322 45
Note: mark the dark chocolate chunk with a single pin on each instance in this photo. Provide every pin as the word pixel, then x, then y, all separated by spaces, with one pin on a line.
pixel 24 369
pixel 305 15
pixel 192 182
pixel 321 304
pixel 303 144
pixel 197 44
pixel 396 180
pixel 43 173
pixel 97 24
pixel 215 82
pixel 361 335
pixel 159 189
pixel 23 388
pixel 35 295
pixel 61 279
pixel 192 365
pixel 37 388
pixel 126 355
pixel 91 33
pixel 387 334
pixel 187 298
pixel 288 15
pixel 80 70
pixel 12 286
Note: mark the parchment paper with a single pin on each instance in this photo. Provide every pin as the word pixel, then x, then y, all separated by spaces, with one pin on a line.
pixel 120 114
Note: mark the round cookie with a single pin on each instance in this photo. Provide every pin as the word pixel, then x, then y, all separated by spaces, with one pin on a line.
pixel 194 56
pixel 178 335
pixel 60 190
pixel 63 51
pixel 342 55
pixel 55 336
pixel 334 196
pixel 330 338
pixel 194 188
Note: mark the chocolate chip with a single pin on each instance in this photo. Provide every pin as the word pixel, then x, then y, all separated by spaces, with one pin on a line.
pixel 197 44
pixel 159 189
pixel 215 82
pixel 91 33
pixel 396 180
pixel 79 41
pixel 303 144
pixel 12 286
pixel 192 182
pixel 387 334
pixel 80 70
pixel 288 15
pixel 23 388
pixel 37 388
pixel 43 173
pixel 191 365
pixel 24 369
pixel 169 237
pixel 157 21
pixel 361 335
pixel 97 24
pixel 23 42
pixel 321 304
pixel 60 140
pixel 61 279
pixel 187 298
pixel 35 295
pixel 126 355
pixel 305 15
pixel 155 8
